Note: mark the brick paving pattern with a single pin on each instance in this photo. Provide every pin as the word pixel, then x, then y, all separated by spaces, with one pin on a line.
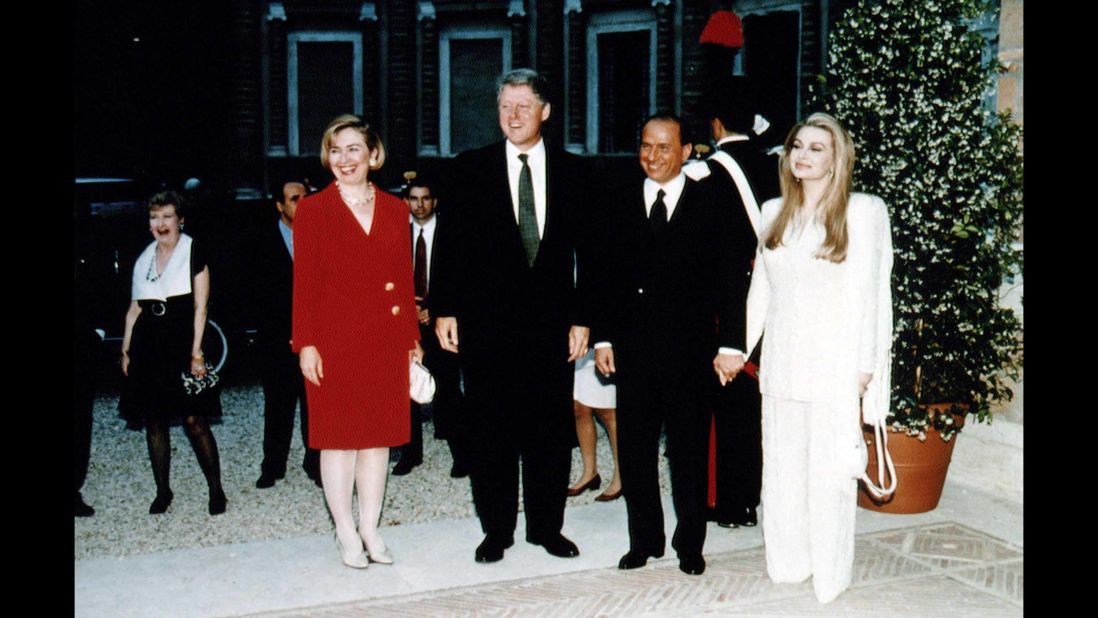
pixel 936 570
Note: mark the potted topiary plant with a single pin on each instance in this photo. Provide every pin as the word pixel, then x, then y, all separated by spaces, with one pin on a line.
pixel 909 81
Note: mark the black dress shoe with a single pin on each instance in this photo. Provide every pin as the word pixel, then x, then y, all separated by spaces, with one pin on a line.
pixel 635 559
pixel 161 503
pixel 747 518
pixel 558 546
pixel 491 549
pixel 404 467
pixel 592 485
pixel 458 471
pixel 217 502
pixel 692 565
pixel 265 481
pixel 727 523
pixel 81 508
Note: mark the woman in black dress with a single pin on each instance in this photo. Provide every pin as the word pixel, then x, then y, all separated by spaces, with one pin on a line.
pixel 163 341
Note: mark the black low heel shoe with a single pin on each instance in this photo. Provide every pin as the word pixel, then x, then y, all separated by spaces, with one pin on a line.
pixel 161 503
pixel 217 503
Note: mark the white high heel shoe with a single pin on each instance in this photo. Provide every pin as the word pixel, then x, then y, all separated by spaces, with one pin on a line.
pixel 352 557
pixel 379 556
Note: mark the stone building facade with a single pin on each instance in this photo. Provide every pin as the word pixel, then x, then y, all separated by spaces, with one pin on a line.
pixel 424 71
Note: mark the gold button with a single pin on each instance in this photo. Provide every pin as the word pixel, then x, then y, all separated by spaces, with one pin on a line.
pixel 389 286
pixel 396 310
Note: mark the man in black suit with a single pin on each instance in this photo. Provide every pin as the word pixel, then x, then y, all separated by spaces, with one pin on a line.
pixel 745 175
pixel 508 284
pixel 447 404
pixel 283 384
pixel 672 314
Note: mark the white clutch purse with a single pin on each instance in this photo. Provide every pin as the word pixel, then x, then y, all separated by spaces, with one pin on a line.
pixel 422 383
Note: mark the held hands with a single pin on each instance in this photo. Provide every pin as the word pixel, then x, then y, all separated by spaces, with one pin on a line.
pixel 604 360
pixel 312 367
pixel 446 329
pixel 577 342
pixel 727 366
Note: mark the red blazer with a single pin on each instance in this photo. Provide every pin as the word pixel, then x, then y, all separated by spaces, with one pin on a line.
pixel 354 300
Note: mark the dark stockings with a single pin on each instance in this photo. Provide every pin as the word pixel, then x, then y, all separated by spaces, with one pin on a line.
pixel 205 449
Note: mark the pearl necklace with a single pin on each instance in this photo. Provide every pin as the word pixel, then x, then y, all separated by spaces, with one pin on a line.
pixel 354 201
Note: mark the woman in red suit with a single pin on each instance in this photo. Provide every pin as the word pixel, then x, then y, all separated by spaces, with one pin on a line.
pixel 354 327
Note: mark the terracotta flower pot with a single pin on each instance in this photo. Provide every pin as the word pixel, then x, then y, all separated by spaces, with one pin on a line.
pixel 920 469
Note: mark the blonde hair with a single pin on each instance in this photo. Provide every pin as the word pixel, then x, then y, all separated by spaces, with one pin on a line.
pixel 369 134
pixel 833 202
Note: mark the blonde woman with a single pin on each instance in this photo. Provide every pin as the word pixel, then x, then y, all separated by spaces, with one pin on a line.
pixel 354 328
pixel 821 292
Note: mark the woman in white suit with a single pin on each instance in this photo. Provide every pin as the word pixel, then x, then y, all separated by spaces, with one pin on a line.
pixel 820 291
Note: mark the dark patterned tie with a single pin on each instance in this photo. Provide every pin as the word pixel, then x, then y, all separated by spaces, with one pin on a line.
pixel 657 217
pixel 528 218
pixel 421 266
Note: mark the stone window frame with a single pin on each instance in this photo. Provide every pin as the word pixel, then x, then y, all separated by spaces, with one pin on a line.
pixel 462 32
pixel 636 20
pixel 317 36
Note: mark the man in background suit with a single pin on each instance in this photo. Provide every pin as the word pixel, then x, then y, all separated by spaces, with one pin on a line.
pixel 745 175
pixel 504 285
pixel 283 384
pixel 672 315
pixel 447 404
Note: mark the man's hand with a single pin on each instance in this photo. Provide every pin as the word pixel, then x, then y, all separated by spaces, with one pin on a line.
pixel 604 360
pixel 446 329
pixel 577 342
pixel 727 366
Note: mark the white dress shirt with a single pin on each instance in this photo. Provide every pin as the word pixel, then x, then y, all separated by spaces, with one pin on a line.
pixel 428 238
pixel 287 236
pixel 672 192
pixel 536 161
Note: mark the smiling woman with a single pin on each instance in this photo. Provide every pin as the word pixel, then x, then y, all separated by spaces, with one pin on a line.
pixel 162 346
pixel 820 289
pixel 354 329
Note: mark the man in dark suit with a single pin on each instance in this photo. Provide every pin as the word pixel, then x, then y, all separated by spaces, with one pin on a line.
pixel 447 404
pixel 672 314
pixel 745 175
pixel 508 284
pixel 283 384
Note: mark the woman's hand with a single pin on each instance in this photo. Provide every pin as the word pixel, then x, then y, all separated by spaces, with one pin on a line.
pixel 125 362
pixel 863 382
pixel 416 354
pixel 312 367
pixel 198 365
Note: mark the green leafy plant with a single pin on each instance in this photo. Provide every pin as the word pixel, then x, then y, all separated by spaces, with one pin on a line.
pixel 908 80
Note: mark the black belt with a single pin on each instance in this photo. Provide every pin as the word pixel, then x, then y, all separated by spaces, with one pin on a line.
pixel 156 307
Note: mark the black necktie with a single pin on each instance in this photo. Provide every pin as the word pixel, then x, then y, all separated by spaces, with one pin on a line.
pixel 528 218
pixel 420 274
pixel 657 217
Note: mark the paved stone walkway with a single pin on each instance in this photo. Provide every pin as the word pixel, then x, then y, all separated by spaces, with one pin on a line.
pixel 943 569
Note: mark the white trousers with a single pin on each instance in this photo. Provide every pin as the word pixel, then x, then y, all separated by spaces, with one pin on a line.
pixel 809 494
